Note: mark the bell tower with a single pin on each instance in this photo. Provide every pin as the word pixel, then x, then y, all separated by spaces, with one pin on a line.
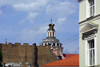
pixel 51 31
pixel 51 39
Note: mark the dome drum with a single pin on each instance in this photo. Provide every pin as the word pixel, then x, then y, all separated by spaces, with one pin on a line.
pixel 52 44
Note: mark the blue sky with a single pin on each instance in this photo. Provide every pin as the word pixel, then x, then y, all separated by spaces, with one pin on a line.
pixel 26 21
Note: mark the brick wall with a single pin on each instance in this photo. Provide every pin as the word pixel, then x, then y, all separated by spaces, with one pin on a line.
pixel 34 55
pixel 45 55
pixel 16 53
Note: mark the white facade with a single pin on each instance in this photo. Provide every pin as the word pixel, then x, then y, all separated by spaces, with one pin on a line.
pixel 89 33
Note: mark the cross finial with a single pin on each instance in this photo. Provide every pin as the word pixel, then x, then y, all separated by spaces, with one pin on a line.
pixel 51 20
pixel 6 41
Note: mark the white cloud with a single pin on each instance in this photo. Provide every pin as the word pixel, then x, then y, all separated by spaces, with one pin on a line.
pixel 12 2
pixel 61 9
pixel 33 8
pixel 61 20
pixel 22 21
pixel 31 16
pixel 42 30
pixel 26 7
pixel 59 24
pixel 30 6
pixel 33 33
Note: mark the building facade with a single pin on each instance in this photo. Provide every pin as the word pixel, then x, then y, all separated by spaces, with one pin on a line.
pixel 89 33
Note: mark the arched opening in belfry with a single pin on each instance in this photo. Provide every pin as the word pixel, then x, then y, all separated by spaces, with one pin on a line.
pixel 50 33
pixel 53 33
pixel 53 44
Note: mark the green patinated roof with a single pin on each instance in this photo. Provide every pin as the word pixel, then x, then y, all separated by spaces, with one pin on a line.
pixel 51 41
pixel 51 29
pixel 51 38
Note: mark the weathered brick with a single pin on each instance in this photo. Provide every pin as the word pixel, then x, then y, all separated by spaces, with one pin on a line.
pixel 34 55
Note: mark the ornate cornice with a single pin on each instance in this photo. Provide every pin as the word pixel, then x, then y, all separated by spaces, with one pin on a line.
pixel 90 18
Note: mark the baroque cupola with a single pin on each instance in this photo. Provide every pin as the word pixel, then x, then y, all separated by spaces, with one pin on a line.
pixel 51 30
pixel 51 39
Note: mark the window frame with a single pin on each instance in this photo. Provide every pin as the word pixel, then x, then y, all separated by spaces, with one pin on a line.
pixel 88 8
pixel 91 49
pixel 92 7
pixel 87 50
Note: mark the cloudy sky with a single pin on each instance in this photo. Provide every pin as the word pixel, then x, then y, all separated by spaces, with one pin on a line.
pixel 26 21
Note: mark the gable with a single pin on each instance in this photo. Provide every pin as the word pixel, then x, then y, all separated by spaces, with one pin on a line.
pixel 89 27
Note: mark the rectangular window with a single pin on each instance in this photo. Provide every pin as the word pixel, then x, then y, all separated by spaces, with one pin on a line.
pixel 91 51
pixel 91 7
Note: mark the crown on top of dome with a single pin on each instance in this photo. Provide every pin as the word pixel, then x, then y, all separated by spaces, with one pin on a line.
pixel 51 25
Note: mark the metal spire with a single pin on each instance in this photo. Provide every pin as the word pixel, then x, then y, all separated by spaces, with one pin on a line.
pixel 51 20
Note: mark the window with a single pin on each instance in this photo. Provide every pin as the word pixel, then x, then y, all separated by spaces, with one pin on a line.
pixel 50 33
pixel 45 44
pixel 53 44
pixel 91 54
pixel 53 33
pixel 49 43
pixel 91 7
pixel 57 44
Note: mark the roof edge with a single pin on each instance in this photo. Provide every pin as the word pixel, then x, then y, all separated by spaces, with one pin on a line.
pixel 79 0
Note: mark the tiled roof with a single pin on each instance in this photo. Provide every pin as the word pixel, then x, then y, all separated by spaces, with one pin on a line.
pixel 69 55
pixel 71 60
